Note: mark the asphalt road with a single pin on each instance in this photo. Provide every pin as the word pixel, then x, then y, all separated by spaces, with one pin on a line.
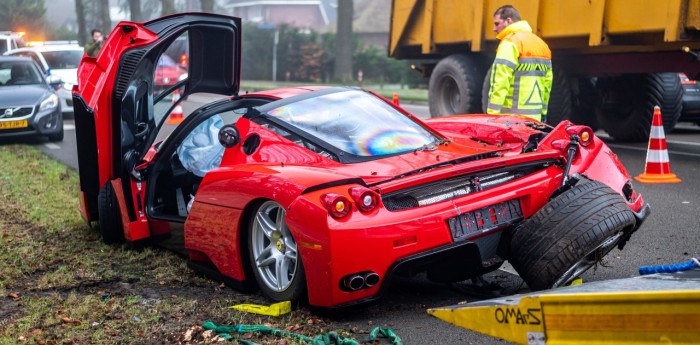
pixel 670 235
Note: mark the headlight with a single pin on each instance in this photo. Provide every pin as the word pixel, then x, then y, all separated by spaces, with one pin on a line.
pixel 49 103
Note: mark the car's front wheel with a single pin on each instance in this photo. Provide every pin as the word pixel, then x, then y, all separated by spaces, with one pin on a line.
pixel 274 255
pixel 109 218
pixel 569 235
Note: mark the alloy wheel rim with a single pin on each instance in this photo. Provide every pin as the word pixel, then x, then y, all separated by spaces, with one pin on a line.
pixel 588 260
pixel 274 249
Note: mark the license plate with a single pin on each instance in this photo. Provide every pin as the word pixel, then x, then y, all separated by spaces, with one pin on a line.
pixel 485 219
pixel 13 124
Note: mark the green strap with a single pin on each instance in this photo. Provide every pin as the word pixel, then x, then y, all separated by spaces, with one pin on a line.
pixel 385 333
pixel 330 338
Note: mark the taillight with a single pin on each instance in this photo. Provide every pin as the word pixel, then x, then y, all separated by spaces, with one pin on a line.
pixel 183 60
pixel 337 205
pixel 584 133
pixel 365 199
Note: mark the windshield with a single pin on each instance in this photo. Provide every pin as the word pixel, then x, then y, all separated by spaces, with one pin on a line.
pixel 19 73
pixel 63 59
pixel 356 122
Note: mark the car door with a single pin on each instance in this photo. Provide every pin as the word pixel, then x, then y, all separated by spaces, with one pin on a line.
pixel 136 113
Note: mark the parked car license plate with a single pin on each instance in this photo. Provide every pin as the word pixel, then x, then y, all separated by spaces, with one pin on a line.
pixel 485 219
pixel 13 124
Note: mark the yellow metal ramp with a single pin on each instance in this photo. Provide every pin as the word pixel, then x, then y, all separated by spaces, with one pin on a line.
pixel 651 309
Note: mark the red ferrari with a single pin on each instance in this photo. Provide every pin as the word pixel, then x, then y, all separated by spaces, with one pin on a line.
pixel 323 194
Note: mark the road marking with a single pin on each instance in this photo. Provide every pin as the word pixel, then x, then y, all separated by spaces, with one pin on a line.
pixel 644 149
pixel 52 146
pixel 68 127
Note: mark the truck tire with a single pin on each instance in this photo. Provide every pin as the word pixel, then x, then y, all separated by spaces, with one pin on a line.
pixel 586 105
pixel 110 219
pixel 454 86
pixel 627 114
pixel 559 106
pixel 569 235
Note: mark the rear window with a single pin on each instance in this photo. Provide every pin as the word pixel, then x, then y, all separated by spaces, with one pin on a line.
pixel 63 59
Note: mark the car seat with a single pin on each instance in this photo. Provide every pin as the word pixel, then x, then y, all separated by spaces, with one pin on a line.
pixel 201 150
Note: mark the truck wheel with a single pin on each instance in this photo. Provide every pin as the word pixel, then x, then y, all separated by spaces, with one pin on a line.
pixel 454 86
pixel 559 106
pixel 110 220
pixel 586 105
pixel 569 235
pixel 630 100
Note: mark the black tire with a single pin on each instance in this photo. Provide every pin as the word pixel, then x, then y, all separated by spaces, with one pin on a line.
pixel 630 100
pixel 57 136
pixel 276 285
pixel 454 86
pixel 586 105
pixel 569 235
pixel 110 220
pixel 559 106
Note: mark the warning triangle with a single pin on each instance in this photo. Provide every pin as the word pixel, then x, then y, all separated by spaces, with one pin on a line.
pixel 535 97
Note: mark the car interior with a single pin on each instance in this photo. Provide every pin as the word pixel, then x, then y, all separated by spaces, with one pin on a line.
pixel 188 155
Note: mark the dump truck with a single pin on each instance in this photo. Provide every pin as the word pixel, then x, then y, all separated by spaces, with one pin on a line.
pixel 613 60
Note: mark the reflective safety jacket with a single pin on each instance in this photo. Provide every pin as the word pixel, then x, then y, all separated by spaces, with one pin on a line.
pixel 521 74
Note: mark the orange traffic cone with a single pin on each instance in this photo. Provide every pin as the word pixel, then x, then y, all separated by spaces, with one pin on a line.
pixel 658 167
pixel 395 98
pixel 176 115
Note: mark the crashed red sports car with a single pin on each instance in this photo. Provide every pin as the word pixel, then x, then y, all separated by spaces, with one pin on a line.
pixel 323 194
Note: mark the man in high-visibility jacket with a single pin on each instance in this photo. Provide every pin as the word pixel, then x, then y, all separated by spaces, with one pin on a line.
pixel 521 74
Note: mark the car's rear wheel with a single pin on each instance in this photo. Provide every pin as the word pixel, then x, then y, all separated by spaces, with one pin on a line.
pixel 109 218
pixel 274 256
pixel 569 235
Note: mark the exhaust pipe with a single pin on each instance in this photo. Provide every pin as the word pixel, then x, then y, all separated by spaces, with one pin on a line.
pixel 354 282
pixel 371 279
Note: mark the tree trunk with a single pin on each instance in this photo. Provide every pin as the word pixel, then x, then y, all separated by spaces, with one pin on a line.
pixel 135 10
pixel 168 7
pixel 80 14
pixel 104 17
pixel 207 5
pixel 343 42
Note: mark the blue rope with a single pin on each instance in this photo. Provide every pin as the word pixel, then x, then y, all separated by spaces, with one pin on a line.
pixel 683 266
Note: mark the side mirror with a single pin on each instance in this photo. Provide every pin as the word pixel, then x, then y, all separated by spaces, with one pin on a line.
pixel 54 80
pixel 229 136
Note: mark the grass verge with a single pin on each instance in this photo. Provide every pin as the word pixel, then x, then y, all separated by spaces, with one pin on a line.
pixel 59 284
pixel 404 94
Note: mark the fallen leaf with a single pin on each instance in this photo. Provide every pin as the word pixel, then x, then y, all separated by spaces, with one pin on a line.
pixel 13 295
pixel 161 282
pixel 207 334
pixel 36 331
pixel 282 342
pixel 65 319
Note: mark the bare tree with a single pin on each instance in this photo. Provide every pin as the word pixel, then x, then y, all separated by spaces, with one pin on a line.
pixel 168 7
pixel 103 8
pixel 135 10
pixel 207 5
pixel 80 14
pixel 343 42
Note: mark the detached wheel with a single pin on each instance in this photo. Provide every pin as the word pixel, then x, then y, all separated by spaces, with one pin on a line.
pixel 569 235
pixel 274 256
pixel 454 86
pixel 630 100
pixel 110 220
